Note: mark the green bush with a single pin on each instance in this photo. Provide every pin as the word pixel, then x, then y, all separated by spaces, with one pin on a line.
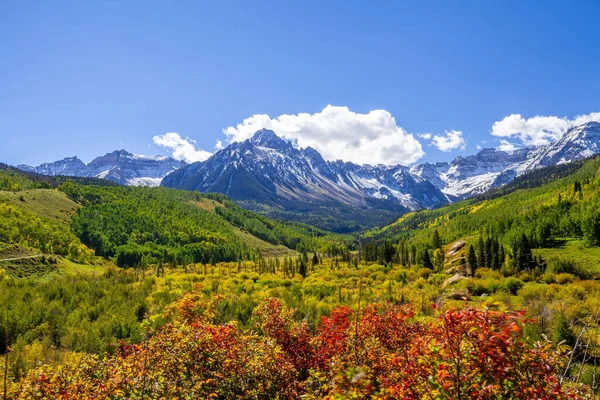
pixel 512 285
pixel 560 265
pixel 424 273
pixel 564 278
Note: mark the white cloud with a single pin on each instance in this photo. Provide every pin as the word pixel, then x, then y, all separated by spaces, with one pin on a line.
pixel 538 130
pixel 425 136
pixel 338 133
pixel 505 145
pixel 183 149
pixel 452 140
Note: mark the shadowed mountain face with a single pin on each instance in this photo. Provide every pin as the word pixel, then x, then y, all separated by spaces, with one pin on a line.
pixel 119 166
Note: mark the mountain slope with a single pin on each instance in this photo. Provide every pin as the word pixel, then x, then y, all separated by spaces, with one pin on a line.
pixel 119 166
pixel 555 208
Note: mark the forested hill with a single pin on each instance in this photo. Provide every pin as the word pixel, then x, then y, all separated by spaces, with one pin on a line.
pixel 137 226
pixel 553 208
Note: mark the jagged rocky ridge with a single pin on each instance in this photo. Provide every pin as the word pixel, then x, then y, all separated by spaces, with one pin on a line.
pixel 490 168
pixel 119 166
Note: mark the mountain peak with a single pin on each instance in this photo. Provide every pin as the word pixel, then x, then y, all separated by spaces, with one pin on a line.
pixel 268 138
pixel 72 159
pixel 592 124
pixel 122 152
pixel 581 132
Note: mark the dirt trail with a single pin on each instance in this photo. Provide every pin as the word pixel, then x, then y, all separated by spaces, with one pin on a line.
pixel 20 258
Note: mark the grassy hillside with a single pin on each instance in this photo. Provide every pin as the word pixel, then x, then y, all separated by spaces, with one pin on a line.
pixel 48 203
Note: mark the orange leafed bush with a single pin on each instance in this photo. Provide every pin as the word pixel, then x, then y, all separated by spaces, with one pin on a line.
pixel 385 353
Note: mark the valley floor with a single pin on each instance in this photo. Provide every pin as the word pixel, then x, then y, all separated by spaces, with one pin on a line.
pixel 102 308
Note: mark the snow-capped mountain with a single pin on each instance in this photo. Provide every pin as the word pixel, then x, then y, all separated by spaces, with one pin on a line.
pixel 119 166
pixel 475 174
pixel 70 166
pixel 490 168
pixel 267 169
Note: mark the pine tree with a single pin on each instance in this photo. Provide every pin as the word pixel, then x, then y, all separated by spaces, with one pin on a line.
pixel 496 260
pixel 389 251
pixel 427 260
pixel 305 257
pixel 437 240
pixel 302 268
pixel 480 253
pixel 577 187
pixel 472 259
pixel 489 256
pixel 315 259
pixel 522 253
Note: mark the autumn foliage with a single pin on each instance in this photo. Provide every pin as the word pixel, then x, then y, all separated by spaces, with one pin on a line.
pixel 385 353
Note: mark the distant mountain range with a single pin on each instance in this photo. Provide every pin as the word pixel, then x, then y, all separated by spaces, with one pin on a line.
pixel 119 166
pixel 490 168
pixel 269 174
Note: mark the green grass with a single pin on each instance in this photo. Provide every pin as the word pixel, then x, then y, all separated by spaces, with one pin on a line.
pixel 28 268
pixel 42 269
pixel 586 258
pixel 69 267
pixel 267 249
pixel 47 203
pixel 14 251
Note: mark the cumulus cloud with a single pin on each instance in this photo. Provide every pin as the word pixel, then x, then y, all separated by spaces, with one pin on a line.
pixel 505 145
pixel 538 130
pixel 452 140
pixel 338 133
pixel 183 149
pixel 425 136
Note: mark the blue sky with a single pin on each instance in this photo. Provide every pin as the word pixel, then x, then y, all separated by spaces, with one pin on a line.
pixel 87 77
